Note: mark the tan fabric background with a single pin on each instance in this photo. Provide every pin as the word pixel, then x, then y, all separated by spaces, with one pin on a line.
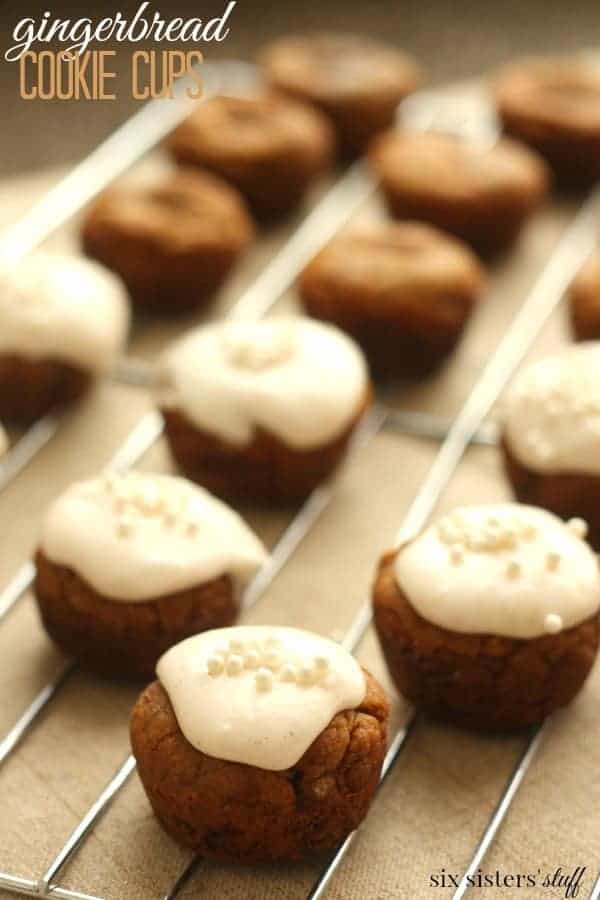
pixel 440 795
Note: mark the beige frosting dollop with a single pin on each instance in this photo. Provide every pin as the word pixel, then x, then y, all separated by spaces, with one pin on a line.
pixel 139 536
pixel 65 308
pixel 296 378
pixel 504 569
pixel 552 412
pixel 259 695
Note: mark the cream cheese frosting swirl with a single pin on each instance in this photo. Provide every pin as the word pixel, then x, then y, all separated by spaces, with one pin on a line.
pixel 552 412
pixel 54 306
pixel 296 378
pixel 139 536
pixel 504 569
pixel 258 695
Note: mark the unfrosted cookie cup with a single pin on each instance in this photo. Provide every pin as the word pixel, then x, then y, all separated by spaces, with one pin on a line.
pixel 403 291
pixel 479 192
pixel 270 148
pixel 356 81
pixel 173 241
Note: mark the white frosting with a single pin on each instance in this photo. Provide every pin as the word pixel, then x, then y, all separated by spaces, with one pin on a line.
pixel 63 307
pixel 259 695
pixel 3 441
pixel 139 536
pixel 296 378
pixel 503 569
pixel 552 412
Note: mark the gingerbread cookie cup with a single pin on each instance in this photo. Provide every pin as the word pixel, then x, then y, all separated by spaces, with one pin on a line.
pixel 357 82
pixel 480 193
pixel 292 778
pixel 551 435
pixel 263 412
pixel 270 148
pixel 63 323
pixel 403 291
pixel 584 301
pixel 489 619
pixel 173 241
pixel 128 566
pixel 554 106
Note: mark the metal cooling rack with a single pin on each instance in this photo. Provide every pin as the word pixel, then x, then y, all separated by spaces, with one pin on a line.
pixel 121 150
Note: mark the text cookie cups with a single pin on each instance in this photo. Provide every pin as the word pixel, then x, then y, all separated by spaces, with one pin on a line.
pixel 551 435
pixel 173 241
pixel 356 81
pixel 554 106
pixel 584 301
pixel 489 618
pixel 263 411
pixel 129 565
pixel 259 744
pixel 269 147
pixel 63 322
pixel 403 291
pixel 480 192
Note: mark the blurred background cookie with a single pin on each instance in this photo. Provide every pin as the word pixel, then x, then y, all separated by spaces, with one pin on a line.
pixel 172 241
pixel 554 105
pixel 270 148
pixel 404 291
pixel 480 192
pixel 63 322
pixel 356 81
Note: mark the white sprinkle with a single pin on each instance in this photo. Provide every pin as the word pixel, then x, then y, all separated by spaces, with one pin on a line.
pixel 272 659
pixel 215 665
pixel 264 680
pixel 125 526
pixel 578 528
pixel 252 659
pixel 288 672
pixel 456 556
pixel 553 623
pixel 235 664
pixel 305 675
pixel 513 569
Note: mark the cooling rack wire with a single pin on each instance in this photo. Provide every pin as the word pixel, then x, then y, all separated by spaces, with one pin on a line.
pixel 113 157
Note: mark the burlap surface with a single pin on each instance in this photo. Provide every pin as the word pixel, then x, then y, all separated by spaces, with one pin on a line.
pixel 433 808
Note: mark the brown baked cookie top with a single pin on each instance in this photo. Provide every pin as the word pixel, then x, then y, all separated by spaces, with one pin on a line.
pixel 449 168
pixel 558 94
pixel 183 211
pixel 235 133
pixel 333 68
pixel 395 265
